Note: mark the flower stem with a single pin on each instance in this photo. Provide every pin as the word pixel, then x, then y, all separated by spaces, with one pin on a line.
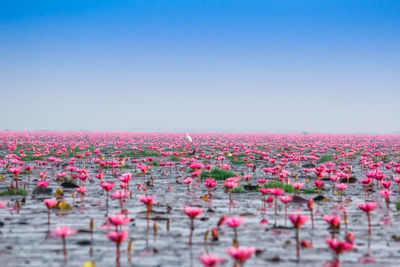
pixel 191 231
pixel 297 245
pixel 64 248
pixel 118 251
pixel 276 209
pixel 369 223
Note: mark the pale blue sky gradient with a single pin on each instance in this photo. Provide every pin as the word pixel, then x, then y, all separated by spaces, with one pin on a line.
pixel 236 66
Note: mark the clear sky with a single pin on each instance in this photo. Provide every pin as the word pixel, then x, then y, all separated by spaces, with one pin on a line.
pixel 233 66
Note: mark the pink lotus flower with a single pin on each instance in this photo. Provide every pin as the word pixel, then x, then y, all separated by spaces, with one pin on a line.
pixel 211 260
pixel 310 204
pixel 148 200
pixel 386 184
pixel 119 236
pixel 298 220
pixel 262 181
pixel 16 170
pixel 342 186
pixel 264 191
pixel 50 203
pixel 193 212
pixel 350 237
pixel 286 199
pixel 2 204
pixel 126 177
pixel 63 231
pixel 386 193
pixel 221 221
pixel 119 219
pixel 230 184
pixel 43 183
pixel 368 206
pixel 241 254
pixel 319 183
pixel 277 191
pixel 62 174
pixel 366 181
pixel 339 246
pixel 107 186
pixel 210 183
pixel 298 185
pixel 234 221
pixel 196 174
pixel 247 177
pixel 305 243
pixel 81 190
pixel 120 194
pixel 188 180
pixel 333 220
pixel 99 175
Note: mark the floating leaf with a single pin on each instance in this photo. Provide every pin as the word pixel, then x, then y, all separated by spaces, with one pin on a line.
pixel 205 197
pixel 89 264
pixel 247 214
pixel 259 252
pixel 59 192
pixel 396 238
pixel 63 205
pixel 273 259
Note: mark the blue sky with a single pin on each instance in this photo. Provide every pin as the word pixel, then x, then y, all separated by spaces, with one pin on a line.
pixel 236 66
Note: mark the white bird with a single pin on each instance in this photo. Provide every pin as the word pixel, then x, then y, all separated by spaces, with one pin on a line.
pixel 188 137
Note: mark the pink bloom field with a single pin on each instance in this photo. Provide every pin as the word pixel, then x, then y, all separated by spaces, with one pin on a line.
pixel 168 199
